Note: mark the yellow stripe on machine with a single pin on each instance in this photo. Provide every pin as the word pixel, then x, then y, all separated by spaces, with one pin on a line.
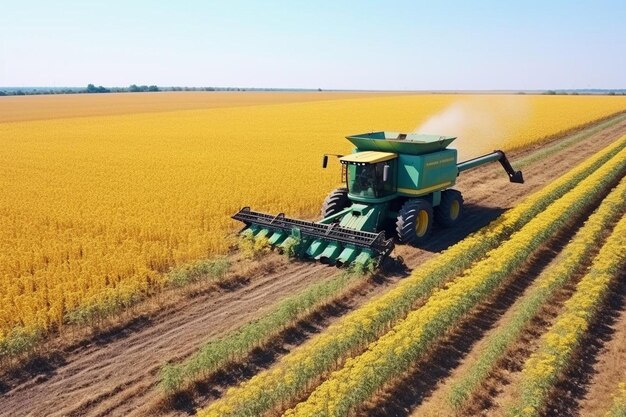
pixel 426 190
pixel 368 157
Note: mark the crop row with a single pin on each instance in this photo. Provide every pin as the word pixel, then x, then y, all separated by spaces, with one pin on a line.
pixel 393 353
pixel 560 145
pixel 570 262
pixel 240 342
pixel 302 368
pixel 556 347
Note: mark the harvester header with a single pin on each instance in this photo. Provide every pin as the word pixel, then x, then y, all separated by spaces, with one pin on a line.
pixel 397 185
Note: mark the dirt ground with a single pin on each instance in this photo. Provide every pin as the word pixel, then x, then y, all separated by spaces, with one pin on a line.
pixel 115 373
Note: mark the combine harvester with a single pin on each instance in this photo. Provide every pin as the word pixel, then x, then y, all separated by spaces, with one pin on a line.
pixel 396 183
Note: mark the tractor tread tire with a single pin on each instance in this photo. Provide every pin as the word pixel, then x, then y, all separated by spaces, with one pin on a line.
pixel 442 211
pixel 336 201
pixel 406 222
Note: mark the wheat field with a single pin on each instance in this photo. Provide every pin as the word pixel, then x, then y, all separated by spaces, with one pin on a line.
pixel 98 207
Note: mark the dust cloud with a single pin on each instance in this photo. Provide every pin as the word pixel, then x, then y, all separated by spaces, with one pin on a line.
pixel 481 123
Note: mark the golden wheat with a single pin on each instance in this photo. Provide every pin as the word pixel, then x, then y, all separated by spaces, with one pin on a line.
pixel 97 208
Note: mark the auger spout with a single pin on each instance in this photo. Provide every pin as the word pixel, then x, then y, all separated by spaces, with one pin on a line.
pixel 497 155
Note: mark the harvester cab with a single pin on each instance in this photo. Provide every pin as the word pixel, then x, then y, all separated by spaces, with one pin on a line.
pixel 370 175
pixel 396 186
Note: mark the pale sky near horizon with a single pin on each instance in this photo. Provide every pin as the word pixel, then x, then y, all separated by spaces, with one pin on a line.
pixel 384 45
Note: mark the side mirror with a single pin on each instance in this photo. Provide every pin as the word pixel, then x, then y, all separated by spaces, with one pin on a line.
pixel 386 169
pixel 325 161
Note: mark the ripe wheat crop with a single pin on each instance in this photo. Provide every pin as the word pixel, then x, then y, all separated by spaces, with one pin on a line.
pixel 96 210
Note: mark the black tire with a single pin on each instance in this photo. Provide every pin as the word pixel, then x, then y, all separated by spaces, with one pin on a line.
pixel 335 202
pixel 415 221
pixel 450 209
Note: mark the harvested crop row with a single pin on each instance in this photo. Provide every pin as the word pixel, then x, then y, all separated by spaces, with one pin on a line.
pixel 570 262
pixel 393 353
pixel 300 370
pixel 240 342
pixel 544 366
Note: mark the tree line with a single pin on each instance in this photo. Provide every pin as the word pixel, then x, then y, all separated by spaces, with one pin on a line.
pixel 91 89
pixel 133 88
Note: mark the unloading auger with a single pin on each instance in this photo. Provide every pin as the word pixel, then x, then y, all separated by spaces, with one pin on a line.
pixel 396 185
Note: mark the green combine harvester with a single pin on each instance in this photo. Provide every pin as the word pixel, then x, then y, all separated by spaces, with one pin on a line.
pixel 397 185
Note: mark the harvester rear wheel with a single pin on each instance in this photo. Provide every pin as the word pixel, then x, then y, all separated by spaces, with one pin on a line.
pixel 415 221
pixel 336 201
pixel 450 209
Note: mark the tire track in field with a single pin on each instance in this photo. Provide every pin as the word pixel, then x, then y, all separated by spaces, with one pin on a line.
pixel 115 374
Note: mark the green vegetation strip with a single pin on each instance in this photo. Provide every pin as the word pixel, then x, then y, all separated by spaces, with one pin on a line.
pixel 349 335
pixel 237 344
pixel 568 141
pixel 558 344
pixel 570 262
pixel 395 352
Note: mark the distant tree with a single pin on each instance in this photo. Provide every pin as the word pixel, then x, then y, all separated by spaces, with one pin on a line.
pixel 134 88
pixel 100 89
pixel 20 93
pixel 550 92
pixel 319 89
pixel 611 93
pixel 153 88
pixel 2 93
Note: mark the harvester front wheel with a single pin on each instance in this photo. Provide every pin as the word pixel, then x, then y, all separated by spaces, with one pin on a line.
pixel 415 221
pixel 450 209
pixel 336 201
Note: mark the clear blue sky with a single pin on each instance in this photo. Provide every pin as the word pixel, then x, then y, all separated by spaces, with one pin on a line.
pixel 331 44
